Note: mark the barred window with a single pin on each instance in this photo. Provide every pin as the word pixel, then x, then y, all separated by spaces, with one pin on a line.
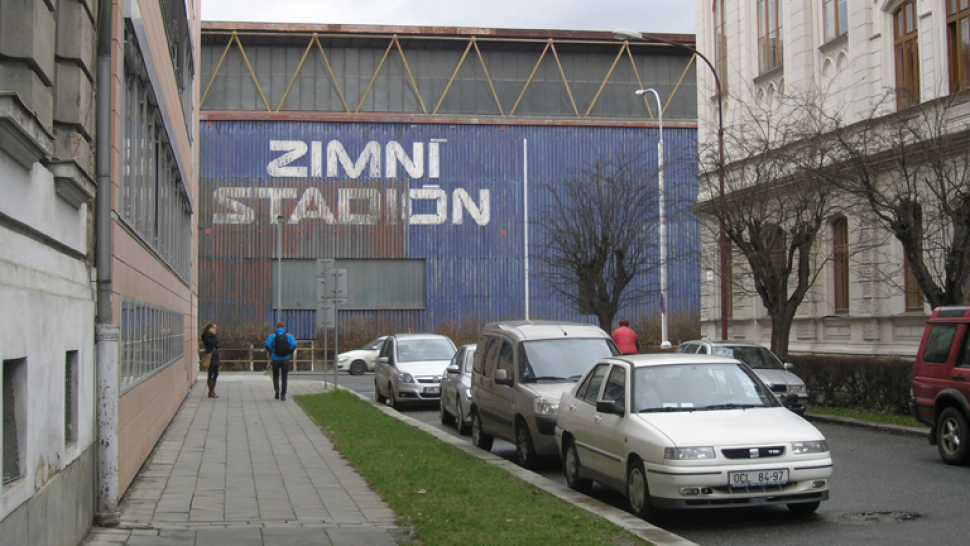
pixel 153 200
pixel 152 338
pixel 14 419
pixel 840 264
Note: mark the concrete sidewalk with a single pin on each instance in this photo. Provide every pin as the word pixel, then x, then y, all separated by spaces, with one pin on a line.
pixel 248 470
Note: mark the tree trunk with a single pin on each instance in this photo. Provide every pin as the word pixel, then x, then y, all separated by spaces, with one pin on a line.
pixel 781 322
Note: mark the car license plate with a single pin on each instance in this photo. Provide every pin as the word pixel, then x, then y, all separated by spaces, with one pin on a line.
pixel 758 477
pixel 432 390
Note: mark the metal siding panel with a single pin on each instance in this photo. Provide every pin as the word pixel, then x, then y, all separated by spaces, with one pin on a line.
pixel 473 272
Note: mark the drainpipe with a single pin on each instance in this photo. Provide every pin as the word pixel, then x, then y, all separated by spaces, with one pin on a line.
pixel 107 334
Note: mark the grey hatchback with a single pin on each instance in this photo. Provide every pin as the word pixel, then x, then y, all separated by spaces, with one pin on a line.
pixel 788 387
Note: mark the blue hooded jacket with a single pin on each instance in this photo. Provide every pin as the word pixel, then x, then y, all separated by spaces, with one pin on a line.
pixel 271 342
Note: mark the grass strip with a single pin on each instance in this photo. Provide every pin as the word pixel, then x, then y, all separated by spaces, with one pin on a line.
pixel 869 415
pixel 445 495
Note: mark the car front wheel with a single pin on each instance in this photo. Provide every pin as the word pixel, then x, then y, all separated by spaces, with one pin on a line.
pixel 381 399
pixel 358 367
pixel 525 452
pixel 951 439
pixel 637 492
pixel 479 438
pixel 463 428
pixel 393 399
pixel 571 466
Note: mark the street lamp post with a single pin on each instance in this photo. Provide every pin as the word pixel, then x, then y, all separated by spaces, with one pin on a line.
pixel 624 34
pixel 279 267
pixel 664 342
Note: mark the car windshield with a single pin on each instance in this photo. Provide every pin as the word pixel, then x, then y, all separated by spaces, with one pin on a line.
pixel 562 359
pixel 695 387
pixel 757 358
pixel 415 350
pixel 373 345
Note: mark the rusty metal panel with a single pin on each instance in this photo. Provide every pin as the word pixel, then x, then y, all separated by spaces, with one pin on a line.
pixel 451 195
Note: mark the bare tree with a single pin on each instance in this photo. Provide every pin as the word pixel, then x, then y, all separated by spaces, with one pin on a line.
pixel 912 170
pixel 776 200
pixel 599 233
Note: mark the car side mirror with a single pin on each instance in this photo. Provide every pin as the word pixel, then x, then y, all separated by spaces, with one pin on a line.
pixel 383 360
pixel 502 377
pixel 610 406
pixel 452 369
pixel 789 366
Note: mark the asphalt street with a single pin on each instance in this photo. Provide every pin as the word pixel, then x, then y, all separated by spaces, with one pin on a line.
pixel 887 489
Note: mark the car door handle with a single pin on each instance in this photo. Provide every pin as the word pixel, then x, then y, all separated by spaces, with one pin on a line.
pixel 959 377
pixel 597 418
pixel 572 407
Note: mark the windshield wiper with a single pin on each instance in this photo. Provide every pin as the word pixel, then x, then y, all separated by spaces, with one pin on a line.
pixel 665 410
pixel 550 378
pixel 730 406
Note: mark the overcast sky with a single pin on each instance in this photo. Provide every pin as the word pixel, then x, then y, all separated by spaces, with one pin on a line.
pixel 665 16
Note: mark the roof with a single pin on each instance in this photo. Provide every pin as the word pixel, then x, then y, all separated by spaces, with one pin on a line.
pixel 427 335
pixel 667 359
pixel 726 343
pixel 546 329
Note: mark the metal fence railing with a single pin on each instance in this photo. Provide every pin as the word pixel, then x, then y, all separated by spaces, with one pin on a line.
pixel 255 358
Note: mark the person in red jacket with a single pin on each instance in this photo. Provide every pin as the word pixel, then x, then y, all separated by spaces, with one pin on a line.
pixel 626 339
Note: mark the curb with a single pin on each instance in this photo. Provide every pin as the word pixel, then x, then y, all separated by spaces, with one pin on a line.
pixel 915 432
pixel 620 518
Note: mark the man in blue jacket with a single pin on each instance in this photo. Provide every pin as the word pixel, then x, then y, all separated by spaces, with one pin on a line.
pixel 280 346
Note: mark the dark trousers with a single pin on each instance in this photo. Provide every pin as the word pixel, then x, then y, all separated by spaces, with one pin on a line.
pixel 214 366
pixel 284 367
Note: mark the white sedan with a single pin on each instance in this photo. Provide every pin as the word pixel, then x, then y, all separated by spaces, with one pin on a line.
pixel 360 360
pixel 681 431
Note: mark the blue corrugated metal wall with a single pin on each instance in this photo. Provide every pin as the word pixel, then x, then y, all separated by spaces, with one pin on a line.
pixel 473 271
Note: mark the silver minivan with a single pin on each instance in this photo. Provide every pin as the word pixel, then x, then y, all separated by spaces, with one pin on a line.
pixel 521 368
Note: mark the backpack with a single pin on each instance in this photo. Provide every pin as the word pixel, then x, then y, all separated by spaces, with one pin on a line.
pixel 281 345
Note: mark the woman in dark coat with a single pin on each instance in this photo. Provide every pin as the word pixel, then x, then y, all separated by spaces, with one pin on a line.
pixel 211 342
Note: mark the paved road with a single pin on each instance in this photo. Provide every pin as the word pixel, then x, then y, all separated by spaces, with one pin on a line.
pixel 886 489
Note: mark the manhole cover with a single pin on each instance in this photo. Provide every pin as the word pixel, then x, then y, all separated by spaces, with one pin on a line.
pixel 881 517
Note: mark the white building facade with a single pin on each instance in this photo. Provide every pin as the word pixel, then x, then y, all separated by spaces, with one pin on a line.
pixel 863 302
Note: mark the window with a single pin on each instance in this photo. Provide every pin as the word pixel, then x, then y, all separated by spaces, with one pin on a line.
pixel 907 55
pixel 70 397
pixel 505 360
pixel 152 338
pixel 153 200
pixel 720 44
pixel 835 19
pixel 840 264
pixel 616 386
pixel 770 35
pixel 591 389
pixel 14 418
pixel 958 41
pixel 914 294
pixel 938 345
pixel 371 284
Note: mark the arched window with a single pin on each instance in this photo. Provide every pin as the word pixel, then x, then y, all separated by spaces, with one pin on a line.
pixel 907 54
pixel 840 264
pixel 834 19
pixel 770 35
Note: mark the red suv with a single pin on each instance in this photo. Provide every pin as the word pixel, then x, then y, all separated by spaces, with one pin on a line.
pixel 941 382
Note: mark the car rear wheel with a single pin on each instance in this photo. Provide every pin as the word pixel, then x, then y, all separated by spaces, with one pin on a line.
pixel 446 418
pixel 358 367
pixel 803 507
pixel 525 452
pixel 463 428
pixel 479 438
pixel 637 492
pixel 571 467
pixel 381 399
pixel 951 439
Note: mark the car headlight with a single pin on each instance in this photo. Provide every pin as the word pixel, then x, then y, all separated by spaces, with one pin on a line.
pixel 797 389
pixel 342 359
pixel 689 453
pixel 468 392
pixel 545 406
pixel 814 446
pixel 405 378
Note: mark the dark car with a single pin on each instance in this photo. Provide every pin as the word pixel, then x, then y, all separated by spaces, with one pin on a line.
pixel 941 382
